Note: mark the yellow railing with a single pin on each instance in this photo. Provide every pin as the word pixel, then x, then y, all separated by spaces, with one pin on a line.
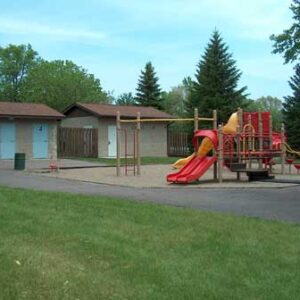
pixel 251 138
pixel 290 150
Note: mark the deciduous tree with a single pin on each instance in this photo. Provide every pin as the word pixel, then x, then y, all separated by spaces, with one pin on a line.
pixel 59 83
pixel 15 61
pixel 271 104
pixel 126 99
pixel 288 42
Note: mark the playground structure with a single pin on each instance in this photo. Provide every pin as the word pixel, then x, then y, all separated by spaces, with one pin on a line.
pixel 135 157
pixel 246 144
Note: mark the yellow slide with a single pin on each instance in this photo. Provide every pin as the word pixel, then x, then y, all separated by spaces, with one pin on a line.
pixel 206 145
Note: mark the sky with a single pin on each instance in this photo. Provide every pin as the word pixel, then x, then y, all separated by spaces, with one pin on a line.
pixel 114 39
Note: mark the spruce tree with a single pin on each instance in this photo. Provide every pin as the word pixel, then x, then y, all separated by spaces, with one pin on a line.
pixel 148 92
pixel 291 111
pixel 216 85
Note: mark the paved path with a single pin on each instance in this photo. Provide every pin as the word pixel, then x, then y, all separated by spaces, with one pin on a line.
pixel 35 164
pixel 280 204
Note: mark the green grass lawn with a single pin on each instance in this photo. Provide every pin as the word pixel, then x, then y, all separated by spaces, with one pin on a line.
pixel 62 246
pixel 148 160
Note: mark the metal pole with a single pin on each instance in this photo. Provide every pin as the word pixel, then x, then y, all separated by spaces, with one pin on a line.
pixel 125 151
pixel 270 140
pixel 260 138
pixel 238 149
pixel 240 121
pixel 118 143
pixel 220 153
pixel 271 131
pixel 215 126
pixel 196 121
pixel 249 140
pixel 138 129
pixel 283 150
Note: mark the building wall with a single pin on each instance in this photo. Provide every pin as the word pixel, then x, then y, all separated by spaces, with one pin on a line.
pixel 24 136
pixel 153 138
pixel 153 135
pixel 79 122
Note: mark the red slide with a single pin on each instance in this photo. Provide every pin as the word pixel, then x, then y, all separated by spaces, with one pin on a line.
pixel 193 170
pixel 200 163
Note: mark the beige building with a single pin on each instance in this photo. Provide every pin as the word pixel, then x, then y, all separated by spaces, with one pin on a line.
pixel 103 118
pixel 28 128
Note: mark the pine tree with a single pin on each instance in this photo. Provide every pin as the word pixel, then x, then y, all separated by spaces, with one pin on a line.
pixel 148 90
pixel 216 85
pixel 291 111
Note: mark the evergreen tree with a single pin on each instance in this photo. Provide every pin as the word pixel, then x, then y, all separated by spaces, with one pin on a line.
pixel 216 85
pixel 291 111
pixel 148 92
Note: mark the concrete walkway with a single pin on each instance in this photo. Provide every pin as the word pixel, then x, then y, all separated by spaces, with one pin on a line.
pixel 279 204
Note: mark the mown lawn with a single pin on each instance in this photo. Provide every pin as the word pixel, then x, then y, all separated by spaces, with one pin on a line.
pixel 62 246
pixel 148 160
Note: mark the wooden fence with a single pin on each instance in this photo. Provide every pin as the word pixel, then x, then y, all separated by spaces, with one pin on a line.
pixel 77 142
pixel 179 143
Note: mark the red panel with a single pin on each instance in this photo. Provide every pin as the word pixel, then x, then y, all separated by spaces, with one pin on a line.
pixel 266 122
pixel 265 116
pixel 253 116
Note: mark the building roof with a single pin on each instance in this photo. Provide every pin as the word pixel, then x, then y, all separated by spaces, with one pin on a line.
pixel 28 110
pixel 109 110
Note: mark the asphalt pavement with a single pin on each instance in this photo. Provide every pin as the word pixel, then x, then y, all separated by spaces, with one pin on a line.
pixel 272 203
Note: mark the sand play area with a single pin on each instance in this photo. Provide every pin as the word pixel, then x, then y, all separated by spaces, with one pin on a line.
pixel 154 176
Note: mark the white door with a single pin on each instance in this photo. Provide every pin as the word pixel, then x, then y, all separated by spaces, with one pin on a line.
pixel 112 143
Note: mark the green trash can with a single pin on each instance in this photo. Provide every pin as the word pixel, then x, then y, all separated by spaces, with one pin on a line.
pixel 19 161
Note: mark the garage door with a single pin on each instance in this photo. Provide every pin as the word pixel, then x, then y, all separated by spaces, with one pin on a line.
pixel 7 140
pixel 40 141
